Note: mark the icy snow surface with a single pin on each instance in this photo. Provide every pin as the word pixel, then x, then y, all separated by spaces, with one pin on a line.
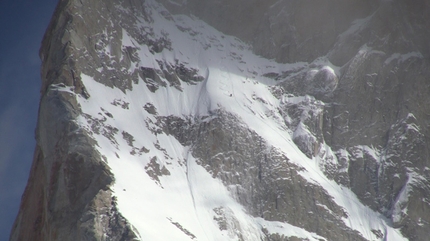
pixel 182 204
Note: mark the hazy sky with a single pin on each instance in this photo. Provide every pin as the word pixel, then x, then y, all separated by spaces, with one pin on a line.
pixel 22 25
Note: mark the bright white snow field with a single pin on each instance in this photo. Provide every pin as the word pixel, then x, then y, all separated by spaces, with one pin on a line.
pixel 180 206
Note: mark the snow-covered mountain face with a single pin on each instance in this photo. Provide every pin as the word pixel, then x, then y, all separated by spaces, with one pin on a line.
pixel 232 120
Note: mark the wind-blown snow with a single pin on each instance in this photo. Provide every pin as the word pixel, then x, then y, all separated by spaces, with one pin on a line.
pixel 403 57
pixel 182 203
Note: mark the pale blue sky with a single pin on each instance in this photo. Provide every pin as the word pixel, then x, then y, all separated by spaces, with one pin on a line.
pixel 22 25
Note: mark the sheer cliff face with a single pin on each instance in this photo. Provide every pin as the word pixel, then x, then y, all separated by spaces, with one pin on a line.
pixel 232 120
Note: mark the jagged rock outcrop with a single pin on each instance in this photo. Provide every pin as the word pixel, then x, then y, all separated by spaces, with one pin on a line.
pixel 68 196
pixel 260 176
pixel 380 103
pixel 143 100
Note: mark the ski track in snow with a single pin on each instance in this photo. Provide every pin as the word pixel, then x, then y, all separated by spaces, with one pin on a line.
pixel 181 206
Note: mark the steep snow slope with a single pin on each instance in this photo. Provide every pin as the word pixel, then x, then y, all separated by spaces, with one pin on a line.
pixel 161 187
pixel 156 126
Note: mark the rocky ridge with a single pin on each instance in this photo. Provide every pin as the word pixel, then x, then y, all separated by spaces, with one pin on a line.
pixel 355 106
